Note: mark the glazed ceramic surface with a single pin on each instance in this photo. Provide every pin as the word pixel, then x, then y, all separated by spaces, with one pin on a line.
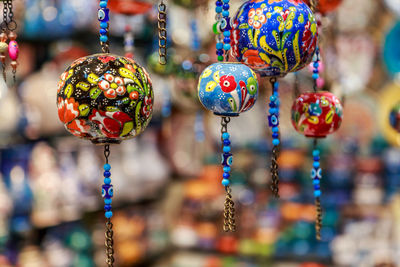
pixel 274 37
pixel 394 117
pixel 326 6
pixel 391 55
pixel 228 89
pixel 105 98
pixel 317 114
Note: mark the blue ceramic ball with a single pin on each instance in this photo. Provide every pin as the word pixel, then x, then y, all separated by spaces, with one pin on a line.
pixel 227 89
pixel 274 37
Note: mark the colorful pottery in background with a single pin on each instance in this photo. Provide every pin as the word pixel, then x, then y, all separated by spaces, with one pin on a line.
pixel 391 55
pixel 394 117
pixel 105 98
pixel 13 50
pixel 317 114
pixel 129 7
pixel 228 89
pixel 274 37
pixel 326 6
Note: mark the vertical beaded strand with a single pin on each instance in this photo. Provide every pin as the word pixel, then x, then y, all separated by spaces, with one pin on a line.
pixel 222 29
pixel 107 193
pixel 13 49
pixel 226 28
pixel 3 40
pixel 162 33
pixel 227 160
pixel 103 17
pixel 217 30
pixel 273 122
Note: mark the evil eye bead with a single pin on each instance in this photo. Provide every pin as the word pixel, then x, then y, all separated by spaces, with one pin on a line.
pixel 103 14
pixel 103 192
pixel 273 120
pixel 107 191
pixel 227 159
pixel 111 191
pixel 316 173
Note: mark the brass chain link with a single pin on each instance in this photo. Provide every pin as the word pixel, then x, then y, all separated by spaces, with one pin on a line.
pixel 109 243
pixel 274 172
pixel 318 220
pixel 162 33
pixel 229 212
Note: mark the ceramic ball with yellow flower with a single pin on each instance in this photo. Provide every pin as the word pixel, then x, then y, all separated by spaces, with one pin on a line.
pixel 274 37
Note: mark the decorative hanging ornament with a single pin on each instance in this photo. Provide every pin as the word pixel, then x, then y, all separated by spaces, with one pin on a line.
pixel 105 98
pixel 324 6
pixel 227 89
pixel 274 38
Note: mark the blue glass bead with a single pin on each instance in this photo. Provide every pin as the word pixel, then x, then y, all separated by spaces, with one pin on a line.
pixel 227 159
pixel 107 167
pixel 315 76
pixel 107 191
pixel 107 207
pixel 107 201
pixel 316 158
pixel 103 4
pixel 219 45
pixel 107 180
pixel 103 31
pixel 218 3
pixel 227 46
pixel 272 110
pixel 108 214
pixel 275 129
pixel 103 38
pixel 317 187
pixel 225 13
pixel 276 94
pixel 272 104
pixel 225 1
pixel 225 136
pixel 103 14
pixel 273 120
pixel 226 149
pixel 227 169
pixel 103 25
pixel 277 102
pixel 317 193
pixel 227 40
pixel 225 6
pixel 227 33
pixel 107 174
pixel 316 164
pixel 227 142
pixel 275 142
pixel 316 64
pixel 275 135
pixel 218 9
pixel 316 181
pixel 272 98
pixel 226 175
pixel 225 182
pixel 276 86
pixel 219 52
pixel 315 153
pixel 315 71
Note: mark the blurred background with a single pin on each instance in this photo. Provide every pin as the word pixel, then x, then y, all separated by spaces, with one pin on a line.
pixel 168 201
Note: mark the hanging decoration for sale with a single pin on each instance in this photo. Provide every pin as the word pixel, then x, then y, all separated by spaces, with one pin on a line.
pixel 274 38
pixel 8 27
pixel 105 98
pixel 324 6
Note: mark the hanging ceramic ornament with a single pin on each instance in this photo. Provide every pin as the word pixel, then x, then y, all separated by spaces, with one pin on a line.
pixel 324 6
pixel 274 38
pixel 227 89
pixel 105 98
pixel 317 115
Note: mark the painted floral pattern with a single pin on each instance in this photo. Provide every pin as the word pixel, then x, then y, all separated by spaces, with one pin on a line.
pixel 256 18
pixel 105 98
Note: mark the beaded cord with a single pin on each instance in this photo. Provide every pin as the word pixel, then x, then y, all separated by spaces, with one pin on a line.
pixel 107 193
pixel 273 122
pixel 316 175
pixel 103 17
pixel 222 28
pixel 315 75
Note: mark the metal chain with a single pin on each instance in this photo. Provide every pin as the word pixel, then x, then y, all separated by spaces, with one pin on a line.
pixel 224 124
pixel 12 24
pixel 318 220
pixel 274 172
pixel 229 212
pixel 109 243
pixel 162 33
pixel 296 90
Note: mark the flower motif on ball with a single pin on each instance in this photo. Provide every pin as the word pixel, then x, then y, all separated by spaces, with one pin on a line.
pixel 105 98
pixel 228 88
pixel 317 114
pixel 274 37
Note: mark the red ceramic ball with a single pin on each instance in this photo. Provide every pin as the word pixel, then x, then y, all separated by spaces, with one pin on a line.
pixel 326 6
pixel 317 114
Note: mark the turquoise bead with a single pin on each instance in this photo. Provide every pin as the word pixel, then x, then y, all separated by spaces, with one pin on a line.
pixel 317 193
pixel 219 45
pixel 225 135
pixel 225 182
pixel 103 38
pixel 316 164
pixel 227 169
pixel 107 180
pixel 275 129
pixel 272 110
pixel 227 33
pixel 225 13
pixel 107 167
pixel 315 153
pixel 109 214
pixel 103 4
pixel 218 9
pixel 275 142
pixel 225 1
pixel 272 98
pixel 103 25
pixel 226 149
pixel 315 76
pixel 316 181
pixel 227 46
pixel 107 201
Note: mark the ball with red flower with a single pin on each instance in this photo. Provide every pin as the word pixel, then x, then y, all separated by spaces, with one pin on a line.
pixel 105 98
pixel 317 114
pixel 326 6
pixel 274 37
